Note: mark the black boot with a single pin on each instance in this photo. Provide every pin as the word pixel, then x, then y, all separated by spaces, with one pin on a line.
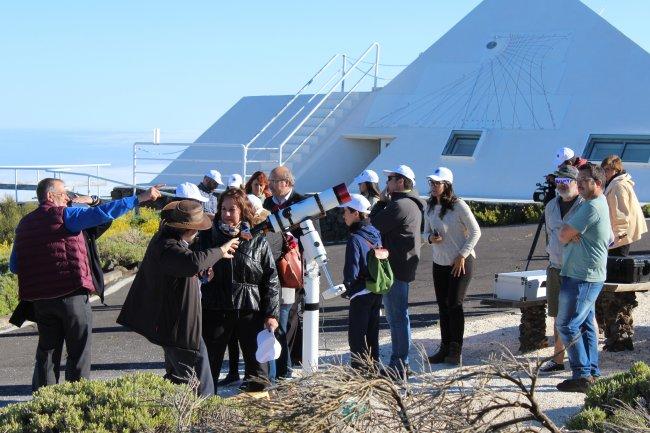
pixel 439 356
pixel 454 356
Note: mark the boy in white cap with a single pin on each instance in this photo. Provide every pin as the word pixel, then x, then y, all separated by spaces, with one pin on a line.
pixel 363 322
pixel 207 187
pixel 398 217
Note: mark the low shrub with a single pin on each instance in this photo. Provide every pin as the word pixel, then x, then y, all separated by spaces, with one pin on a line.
pixel 591 419
pixel 624 387
pixel 646 210
pixel 5 253
pixel 609 399
pixel 8 293
pixel 125 248
pixel 10 214
pixel 133 403
pixel 498 214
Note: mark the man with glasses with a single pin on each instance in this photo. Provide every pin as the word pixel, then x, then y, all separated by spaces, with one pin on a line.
pixel 398 217
pixel 50 257
pixel 281 184
pixel 586 235
pixel 207 188
pixel 557 212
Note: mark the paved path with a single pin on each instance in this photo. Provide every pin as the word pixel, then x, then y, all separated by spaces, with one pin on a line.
pixel 116 351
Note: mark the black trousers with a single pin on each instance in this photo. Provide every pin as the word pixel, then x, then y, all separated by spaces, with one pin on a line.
pixel 218 328
pixel 181 364
pixel 450 294
pixel 233 356
pixel 67 319
pixel 622 251
pixel 363 327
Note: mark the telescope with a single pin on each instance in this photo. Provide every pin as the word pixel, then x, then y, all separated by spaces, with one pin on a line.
pixel 316 206
pixel 298 217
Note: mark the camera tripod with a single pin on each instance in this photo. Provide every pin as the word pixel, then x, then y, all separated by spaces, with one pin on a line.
pixel 540 224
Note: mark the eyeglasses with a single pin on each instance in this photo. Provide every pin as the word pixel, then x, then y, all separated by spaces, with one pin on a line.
pixel 434 182
pixel 584 179
pixel 277 180
pixel 392 177
pixel 563 180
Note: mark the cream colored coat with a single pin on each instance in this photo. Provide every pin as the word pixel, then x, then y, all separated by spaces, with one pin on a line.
pixel 625 213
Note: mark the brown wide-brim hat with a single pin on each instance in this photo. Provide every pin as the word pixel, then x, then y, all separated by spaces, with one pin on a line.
pixel 185 214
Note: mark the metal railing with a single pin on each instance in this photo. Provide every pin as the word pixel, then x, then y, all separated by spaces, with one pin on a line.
pixel 251 150
pixel 55 170
pixel 333 110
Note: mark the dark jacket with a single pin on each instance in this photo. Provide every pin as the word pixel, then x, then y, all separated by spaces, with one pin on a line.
pixel 164 302
pixel 355 270
pixel 247 282
pixel 275 241
pixel 400 223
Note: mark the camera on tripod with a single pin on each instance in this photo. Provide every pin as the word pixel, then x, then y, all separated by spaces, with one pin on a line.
pixel 545 192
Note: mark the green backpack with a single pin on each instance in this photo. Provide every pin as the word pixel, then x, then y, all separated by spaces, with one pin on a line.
pixel 380 275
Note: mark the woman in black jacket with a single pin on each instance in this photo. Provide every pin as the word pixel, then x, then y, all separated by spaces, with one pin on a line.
pixel 243 296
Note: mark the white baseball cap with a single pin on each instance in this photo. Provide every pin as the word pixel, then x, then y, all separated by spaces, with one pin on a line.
pixel 358 203
pixel 405 171
pixel 563 154
pixel 191 191
pixel 214 175
pixel 255 201
pixel 366 176
pixel 442 174
pixel 268 347
pixel 235 181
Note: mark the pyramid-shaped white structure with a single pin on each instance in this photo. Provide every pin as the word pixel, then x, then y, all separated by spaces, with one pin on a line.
pixel 527 76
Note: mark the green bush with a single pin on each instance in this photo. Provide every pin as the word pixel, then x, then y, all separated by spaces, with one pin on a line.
pixel 646 210
pixel 498 214
pixel 10 214
pixel 591 419
pixel 624 387
pixel 129 404
pixel 608 395
pixel 125 248
pixel 8 293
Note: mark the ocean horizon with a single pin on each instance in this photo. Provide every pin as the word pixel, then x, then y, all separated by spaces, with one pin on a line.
pixel 25 147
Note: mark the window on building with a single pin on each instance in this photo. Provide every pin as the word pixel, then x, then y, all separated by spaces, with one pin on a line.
pixel 629 148
pixel 462 143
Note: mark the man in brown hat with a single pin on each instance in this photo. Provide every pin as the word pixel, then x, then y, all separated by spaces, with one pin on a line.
pixel 164 302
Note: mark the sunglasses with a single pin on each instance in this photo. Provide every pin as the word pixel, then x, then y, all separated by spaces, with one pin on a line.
pixel 435 182
pixel 563 180
pixel 392 177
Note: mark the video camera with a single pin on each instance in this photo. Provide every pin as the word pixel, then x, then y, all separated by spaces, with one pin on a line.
pixel 545 192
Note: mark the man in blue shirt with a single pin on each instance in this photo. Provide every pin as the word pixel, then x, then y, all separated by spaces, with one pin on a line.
pixel 51 261
pixel 586 235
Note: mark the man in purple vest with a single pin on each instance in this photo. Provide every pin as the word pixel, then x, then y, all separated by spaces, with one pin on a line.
pixel 51 261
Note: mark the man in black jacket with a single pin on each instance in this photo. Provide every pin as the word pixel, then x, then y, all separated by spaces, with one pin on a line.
pixel 281 183
pixel 164 302
pixel 398 217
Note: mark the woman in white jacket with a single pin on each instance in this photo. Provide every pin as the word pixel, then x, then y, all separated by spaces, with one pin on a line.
pixel 625 213
pixel 452 230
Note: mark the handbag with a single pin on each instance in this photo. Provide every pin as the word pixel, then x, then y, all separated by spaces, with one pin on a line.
pixel 290 264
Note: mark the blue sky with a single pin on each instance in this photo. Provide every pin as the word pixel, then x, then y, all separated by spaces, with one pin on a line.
pixel 106 73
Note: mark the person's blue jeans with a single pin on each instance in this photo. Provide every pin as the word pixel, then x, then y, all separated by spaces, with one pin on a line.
pixel 396 303
pixel 575 324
